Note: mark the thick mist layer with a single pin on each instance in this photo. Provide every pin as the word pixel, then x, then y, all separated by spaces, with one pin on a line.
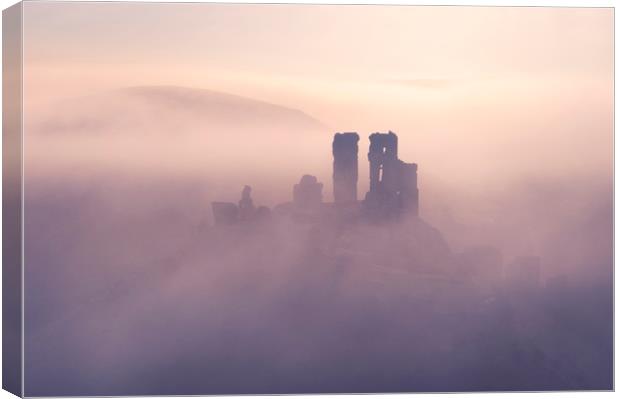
pixel 504 282
pixel 133 290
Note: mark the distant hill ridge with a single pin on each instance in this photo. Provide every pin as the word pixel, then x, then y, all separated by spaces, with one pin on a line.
pixel 205 99
pixel 168 107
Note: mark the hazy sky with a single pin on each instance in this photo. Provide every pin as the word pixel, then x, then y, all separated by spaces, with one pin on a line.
pixel 497 89
pixel 316 50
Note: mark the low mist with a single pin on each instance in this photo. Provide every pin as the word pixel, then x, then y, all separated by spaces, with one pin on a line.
pixel 132 289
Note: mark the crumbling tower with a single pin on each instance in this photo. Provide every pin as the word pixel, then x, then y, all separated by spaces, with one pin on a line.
pixel 393 183
pixel 383 159
pixel 344 149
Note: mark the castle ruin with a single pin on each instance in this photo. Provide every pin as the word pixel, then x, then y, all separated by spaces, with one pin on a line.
pixel 393 183
pixel 393 189
pixel 344 149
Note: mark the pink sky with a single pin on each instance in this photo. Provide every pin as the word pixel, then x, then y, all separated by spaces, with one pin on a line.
pixel 473 92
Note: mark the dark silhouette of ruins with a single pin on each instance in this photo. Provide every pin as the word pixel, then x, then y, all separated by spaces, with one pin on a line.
pixel 227 213
pixel 308 194
pixel 393 186
pixel 224 213
pixel 246 205
pixel 344 149
pixel 393 183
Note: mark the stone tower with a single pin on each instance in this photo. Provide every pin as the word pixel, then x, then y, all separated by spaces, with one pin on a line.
pixel 383 160
pixel 344 149
pixel 393 183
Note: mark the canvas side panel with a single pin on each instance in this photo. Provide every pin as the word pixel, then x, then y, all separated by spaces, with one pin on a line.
pixel 12 200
